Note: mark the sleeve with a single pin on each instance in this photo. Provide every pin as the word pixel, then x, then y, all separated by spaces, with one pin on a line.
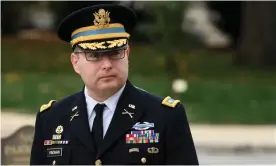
pixel 36 156
pixel 179 148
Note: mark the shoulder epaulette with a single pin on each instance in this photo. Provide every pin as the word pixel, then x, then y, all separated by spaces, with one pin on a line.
pixel 46 106
pixel 168 101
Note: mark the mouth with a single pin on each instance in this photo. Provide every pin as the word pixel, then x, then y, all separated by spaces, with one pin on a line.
pixel 106 77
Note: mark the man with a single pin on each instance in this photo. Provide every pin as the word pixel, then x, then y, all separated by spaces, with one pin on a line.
pixel 109 121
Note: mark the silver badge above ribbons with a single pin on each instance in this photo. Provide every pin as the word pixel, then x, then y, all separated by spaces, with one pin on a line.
pixel 143 126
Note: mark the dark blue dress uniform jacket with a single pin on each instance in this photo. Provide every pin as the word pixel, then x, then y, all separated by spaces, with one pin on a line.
pixel 174 147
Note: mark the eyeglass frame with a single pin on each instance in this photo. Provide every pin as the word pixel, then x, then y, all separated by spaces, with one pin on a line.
pixel 101 54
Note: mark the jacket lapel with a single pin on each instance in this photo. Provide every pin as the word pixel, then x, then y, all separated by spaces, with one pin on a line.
pixel 79 123
pixel 122 121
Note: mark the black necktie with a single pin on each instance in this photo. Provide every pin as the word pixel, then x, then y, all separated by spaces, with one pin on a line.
pixel 97 129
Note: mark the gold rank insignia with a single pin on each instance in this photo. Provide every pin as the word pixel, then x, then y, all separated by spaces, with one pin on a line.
pixel 168 101
pixel 46 106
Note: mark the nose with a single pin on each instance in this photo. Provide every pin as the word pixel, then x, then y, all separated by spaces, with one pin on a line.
pixel 106 63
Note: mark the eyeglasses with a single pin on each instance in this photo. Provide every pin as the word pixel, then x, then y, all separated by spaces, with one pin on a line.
pixel 97 56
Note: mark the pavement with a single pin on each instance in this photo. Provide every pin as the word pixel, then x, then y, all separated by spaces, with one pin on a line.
pixel 236 137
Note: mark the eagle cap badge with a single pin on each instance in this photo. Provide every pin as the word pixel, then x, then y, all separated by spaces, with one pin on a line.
pixel 102 18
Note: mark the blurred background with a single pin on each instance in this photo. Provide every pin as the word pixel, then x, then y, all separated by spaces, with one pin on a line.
pixel 218 58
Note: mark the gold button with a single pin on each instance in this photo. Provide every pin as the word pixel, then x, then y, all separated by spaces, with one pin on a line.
pixel 98 162
pixel 143 160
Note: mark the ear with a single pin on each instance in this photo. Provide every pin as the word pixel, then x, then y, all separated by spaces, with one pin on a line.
pixel 75 60
pixel 128 50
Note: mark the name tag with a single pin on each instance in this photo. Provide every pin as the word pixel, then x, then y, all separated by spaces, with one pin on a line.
pixel 54 152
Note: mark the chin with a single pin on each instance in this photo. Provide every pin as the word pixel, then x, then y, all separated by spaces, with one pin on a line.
pixel 109 85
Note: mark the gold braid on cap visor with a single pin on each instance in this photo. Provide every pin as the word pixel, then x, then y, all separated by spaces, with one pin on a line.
pixel 95 33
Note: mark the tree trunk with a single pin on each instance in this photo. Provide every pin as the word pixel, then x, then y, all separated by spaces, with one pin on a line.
pixel 258 36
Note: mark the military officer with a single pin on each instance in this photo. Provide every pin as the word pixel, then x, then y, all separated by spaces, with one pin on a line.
pixel 109 121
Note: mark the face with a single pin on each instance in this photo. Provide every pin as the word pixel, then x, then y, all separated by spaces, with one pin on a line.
pixel 101 76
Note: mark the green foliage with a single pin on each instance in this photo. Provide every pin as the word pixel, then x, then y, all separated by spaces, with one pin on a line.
pixel 167 35
pixel 29 91
pixel 35 56
pixel 166 27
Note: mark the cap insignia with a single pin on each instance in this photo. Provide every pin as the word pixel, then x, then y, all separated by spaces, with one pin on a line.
pixel 102 18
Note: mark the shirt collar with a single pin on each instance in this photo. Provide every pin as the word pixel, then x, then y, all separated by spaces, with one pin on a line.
pixel 111 102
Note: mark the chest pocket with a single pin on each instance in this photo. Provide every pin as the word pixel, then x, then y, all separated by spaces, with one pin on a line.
pixel 57 154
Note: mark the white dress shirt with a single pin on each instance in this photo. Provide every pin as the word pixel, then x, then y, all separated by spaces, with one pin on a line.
pixel 108 111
